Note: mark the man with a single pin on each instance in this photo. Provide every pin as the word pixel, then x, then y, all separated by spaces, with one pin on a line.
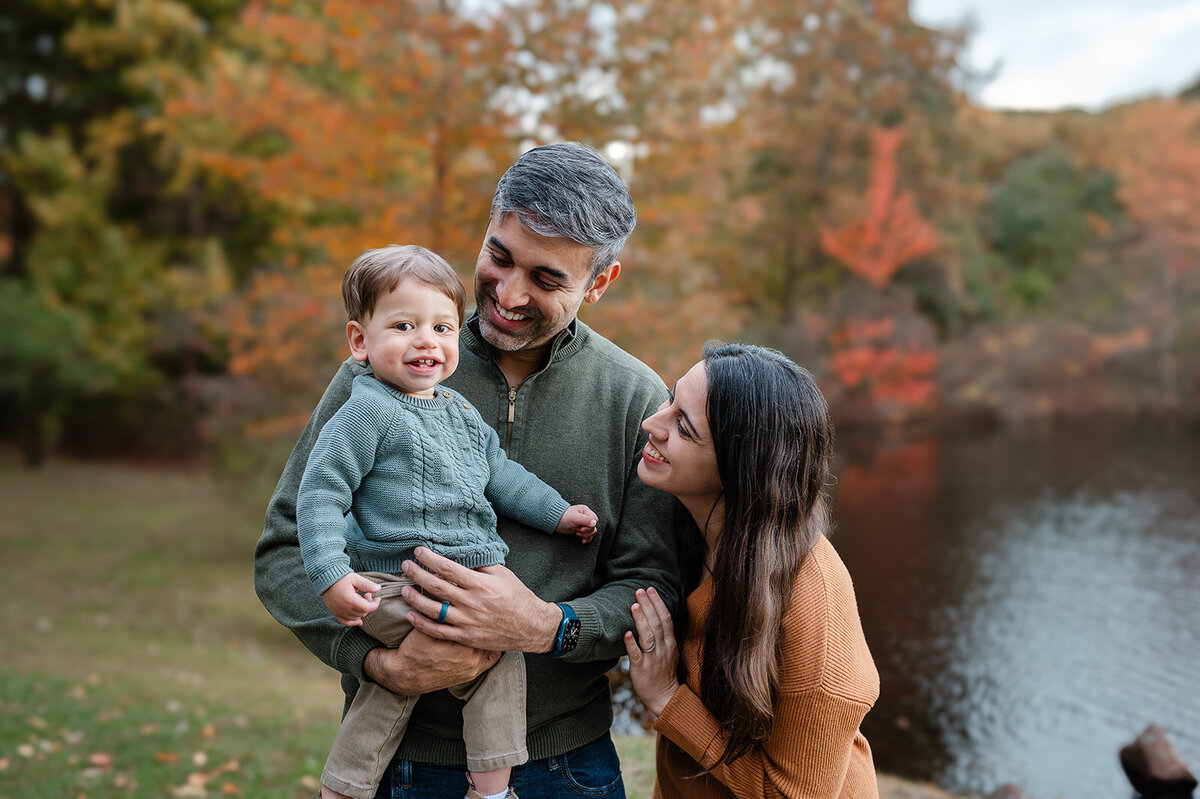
pixel 568 405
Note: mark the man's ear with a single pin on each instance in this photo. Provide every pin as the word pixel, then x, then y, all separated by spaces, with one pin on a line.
pixel 358 340
pixel 601 282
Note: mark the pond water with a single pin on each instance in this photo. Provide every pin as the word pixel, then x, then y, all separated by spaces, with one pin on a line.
pixel 1031 598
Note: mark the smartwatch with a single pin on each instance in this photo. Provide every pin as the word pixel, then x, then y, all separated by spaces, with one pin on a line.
pixel 568 632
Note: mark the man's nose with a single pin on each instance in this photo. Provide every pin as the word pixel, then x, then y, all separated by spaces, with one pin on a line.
pixel 512 292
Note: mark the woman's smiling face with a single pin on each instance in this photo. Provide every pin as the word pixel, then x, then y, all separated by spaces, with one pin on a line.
pixel 679 458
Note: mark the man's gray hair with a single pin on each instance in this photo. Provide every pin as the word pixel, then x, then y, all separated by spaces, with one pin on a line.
pixel 567 190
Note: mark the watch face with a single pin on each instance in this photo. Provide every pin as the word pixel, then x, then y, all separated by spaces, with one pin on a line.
pixel 570 635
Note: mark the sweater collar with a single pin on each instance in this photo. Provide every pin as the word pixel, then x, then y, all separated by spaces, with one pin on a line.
pixel 565 343
pixel 441 395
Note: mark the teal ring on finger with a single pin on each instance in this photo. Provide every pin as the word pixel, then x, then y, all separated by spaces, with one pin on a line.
pixel 442 613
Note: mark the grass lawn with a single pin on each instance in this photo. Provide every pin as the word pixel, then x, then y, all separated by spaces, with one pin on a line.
pixel 138 661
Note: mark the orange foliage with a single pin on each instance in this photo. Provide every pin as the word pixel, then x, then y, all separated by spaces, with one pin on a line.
pixel 892 232
pixel 1156 148
pixel 866 361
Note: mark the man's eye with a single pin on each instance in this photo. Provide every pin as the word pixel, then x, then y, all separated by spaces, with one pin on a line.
pixel 499 261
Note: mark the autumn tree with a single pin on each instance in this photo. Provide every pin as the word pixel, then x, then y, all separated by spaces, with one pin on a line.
pixel 892 231
pixel 1155 148
pixel 102 242
pixel 358 123
pixel 820 78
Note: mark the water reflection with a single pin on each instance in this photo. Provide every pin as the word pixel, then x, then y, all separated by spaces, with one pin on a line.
pixel 1030 599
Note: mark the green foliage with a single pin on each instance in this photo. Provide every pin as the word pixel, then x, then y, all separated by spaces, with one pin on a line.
pixel 1036 220
pixel 103 236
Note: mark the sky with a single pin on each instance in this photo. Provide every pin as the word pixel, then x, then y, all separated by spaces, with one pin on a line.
pixel 1091 54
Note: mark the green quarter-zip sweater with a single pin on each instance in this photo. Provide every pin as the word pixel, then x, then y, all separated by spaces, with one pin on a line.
pixel 576 424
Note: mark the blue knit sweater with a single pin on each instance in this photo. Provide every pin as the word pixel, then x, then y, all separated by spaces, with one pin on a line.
pixel 411 472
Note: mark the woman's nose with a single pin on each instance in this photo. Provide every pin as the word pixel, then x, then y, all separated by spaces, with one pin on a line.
pixel 651 422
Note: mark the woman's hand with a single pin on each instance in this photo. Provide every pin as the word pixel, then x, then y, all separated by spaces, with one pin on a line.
pixel 653 654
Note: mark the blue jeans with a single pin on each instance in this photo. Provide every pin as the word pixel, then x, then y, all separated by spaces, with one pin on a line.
pixel 590 770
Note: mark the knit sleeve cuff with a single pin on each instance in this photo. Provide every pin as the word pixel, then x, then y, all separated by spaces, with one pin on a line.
pixel 350 652
pixel 554 513
pixel 326 576
pixel 686 722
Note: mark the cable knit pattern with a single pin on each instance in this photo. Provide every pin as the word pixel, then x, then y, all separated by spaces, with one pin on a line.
pixel 411 472
pixel 828 683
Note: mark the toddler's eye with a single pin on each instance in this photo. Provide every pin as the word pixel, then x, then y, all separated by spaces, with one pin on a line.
pixel 404 327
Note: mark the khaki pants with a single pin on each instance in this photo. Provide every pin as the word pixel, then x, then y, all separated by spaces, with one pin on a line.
pixel 493 717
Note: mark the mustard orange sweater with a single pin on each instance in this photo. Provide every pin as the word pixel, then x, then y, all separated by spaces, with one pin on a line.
pixel 828 682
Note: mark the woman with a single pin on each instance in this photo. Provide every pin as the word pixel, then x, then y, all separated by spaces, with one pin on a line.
pixel 775 675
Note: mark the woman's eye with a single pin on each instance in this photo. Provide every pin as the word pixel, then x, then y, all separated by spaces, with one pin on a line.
pixel 682 430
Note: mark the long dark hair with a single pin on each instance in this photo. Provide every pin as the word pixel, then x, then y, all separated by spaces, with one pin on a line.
pixel 773 439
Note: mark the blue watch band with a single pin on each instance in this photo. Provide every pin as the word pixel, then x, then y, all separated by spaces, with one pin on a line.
pixel 568 631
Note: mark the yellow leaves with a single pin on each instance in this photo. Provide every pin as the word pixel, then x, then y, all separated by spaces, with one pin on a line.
pixel 196 785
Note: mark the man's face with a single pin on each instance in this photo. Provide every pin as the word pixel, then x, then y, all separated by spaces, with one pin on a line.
pixel 528 287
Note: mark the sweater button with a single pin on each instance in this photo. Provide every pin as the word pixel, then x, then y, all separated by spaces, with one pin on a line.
pixel 465 405
pixel 446 394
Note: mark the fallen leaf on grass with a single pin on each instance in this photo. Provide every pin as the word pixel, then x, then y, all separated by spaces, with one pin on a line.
pixel 309 783
pixel 189 791
pixel 208 731
pixel 200 758
pixel 25 750
pixel 100 759
pixel 167 757
pixel 37 722
pixel 78 692
pixel 229 789
pixel 4 763
pixel 229 767
pixel 149 729
pixel 197 778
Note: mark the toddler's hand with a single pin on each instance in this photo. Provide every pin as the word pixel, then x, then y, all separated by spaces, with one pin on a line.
pixel 349 599
pixel 578 520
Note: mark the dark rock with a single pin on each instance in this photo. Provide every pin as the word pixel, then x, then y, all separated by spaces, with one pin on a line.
pixel 1153 766
pixel 1008 791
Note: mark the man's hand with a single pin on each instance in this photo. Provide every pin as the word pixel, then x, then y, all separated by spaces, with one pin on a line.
pixel 351 598
pixel 422 664
pixel 489 608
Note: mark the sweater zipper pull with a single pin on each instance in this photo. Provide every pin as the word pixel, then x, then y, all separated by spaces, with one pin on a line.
pixel 512 404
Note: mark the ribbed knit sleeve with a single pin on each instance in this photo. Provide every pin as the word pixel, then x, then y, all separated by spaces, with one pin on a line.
pixel 828 683
pixel 807 755
pixel 343 455
pixel 516 492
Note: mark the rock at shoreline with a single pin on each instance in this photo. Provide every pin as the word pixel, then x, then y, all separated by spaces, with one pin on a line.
pixel 1008 791
pixel 1153 766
